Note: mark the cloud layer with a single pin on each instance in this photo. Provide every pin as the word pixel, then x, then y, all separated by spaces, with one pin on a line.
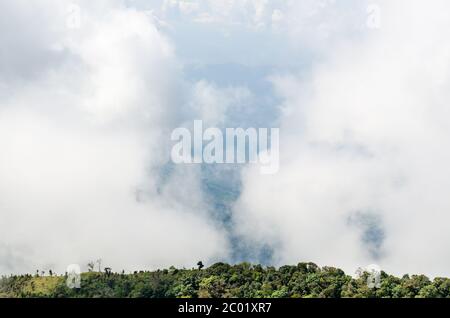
pixel 81 135
pixel 365 152
pixel 88 102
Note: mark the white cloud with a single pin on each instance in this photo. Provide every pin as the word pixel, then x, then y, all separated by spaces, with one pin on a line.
pixel 366 133
pixel 83 138
pixel 250 13
pixel 85 112
pixel 213 104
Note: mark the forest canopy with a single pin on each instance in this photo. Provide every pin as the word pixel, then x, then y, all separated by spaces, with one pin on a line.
pixel 305 280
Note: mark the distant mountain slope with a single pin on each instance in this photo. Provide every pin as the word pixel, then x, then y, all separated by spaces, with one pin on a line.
pixel 224 281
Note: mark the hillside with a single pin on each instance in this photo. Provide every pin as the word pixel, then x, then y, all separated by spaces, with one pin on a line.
pixel 223 280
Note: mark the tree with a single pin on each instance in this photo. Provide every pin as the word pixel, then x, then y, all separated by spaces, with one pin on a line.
pixel 200 265
pixel 222 280
pixel 90 266
pixel 108 271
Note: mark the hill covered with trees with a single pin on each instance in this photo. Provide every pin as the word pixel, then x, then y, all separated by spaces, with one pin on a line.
pixel 221 280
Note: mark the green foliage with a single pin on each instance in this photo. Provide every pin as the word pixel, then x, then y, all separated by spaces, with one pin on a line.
pixel 220 280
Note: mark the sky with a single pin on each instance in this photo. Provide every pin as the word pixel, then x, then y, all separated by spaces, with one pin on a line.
pixel 90 93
